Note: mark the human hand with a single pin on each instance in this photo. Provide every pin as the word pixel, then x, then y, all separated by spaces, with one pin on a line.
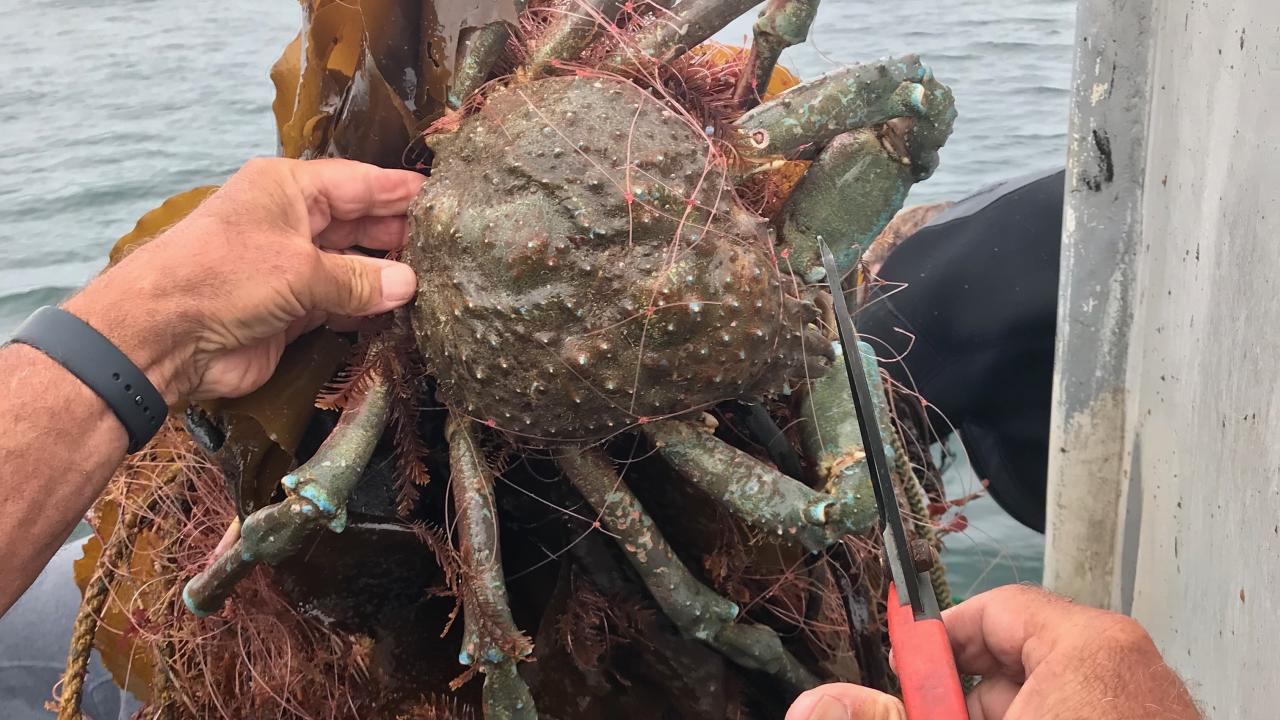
pixel 206 308
pixel 1041 656
pixel 844 701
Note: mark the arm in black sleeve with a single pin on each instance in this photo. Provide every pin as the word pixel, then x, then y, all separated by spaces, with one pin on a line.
pixel 969 303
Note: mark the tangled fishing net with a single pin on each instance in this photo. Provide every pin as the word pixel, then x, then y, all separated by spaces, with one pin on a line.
pixel 282 646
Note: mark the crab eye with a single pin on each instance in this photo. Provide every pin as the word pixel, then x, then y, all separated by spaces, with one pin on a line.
pixel 760 138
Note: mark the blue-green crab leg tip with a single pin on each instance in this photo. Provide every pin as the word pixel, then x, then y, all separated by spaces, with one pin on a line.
pixel 318 494
pixel 192 605
pixel 464 658
pixel 816 513
pixel 339 521
pixel 205 593
pixel 915 97
pixel 734 611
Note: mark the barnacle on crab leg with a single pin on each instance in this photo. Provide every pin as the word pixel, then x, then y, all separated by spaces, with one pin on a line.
pixel 490 637
pixel 758 494
pixel 801 120
pixel 572 30
pixel 318 492
pixel 695 608
pixel 782 23
pixel 853 189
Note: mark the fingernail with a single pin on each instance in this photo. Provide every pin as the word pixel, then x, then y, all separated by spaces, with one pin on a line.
pixel 398 283
pixel 829 709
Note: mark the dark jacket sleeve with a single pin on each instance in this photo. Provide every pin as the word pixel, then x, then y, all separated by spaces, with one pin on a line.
pixel 969 302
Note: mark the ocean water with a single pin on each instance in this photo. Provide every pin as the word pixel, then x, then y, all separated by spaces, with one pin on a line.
pixel 109 106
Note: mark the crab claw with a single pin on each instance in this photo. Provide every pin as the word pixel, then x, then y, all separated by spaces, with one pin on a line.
pixel 802 120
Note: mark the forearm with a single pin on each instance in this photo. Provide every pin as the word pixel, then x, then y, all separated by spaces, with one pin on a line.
pixel 204 310
pixel 61 445
pixel 64 441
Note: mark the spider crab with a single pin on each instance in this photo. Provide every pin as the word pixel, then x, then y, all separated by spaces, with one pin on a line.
pixel 587 269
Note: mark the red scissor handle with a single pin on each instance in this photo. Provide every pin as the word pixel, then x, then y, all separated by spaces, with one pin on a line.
pixel 926 667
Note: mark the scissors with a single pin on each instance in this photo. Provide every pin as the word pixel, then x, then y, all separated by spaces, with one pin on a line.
pixel 922 653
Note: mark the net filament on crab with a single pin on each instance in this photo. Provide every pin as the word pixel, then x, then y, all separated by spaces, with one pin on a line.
pixel 592 262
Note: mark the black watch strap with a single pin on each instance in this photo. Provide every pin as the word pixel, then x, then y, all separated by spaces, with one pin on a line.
pixel 85 353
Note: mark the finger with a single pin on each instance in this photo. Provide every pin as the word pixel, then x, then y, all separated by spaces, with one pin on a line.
pixel 346 190
pixel 989 632
pixel 229 538
pixel 991 699
pixel 844 701
pixel 357 285
pixel 374 233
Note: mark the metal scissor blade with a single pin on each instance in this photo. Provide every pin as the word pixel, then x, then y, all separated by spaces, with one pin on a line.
pixel 899 552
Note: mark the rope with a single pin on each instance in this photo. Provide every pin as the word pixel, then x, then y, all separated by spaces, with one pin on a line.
pixel 919 504
pixel 86 626
pixel 163 701
pixel 114 553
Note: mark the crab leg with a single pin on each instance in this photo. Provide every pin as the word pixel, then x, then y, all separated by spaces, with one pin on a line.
pixel 669 36
pixel 490 636
pixel 695 608
pixel 833 442
pixel 849 194
pixel 830 434
pixel 801 120
pixel 572 31
pixel 782 23
pixel 318 493
pixel 478 51
pixel 763 497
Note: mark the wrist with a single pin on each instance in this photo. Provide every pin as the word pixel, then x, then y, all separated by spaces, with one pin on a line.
pixel 147 325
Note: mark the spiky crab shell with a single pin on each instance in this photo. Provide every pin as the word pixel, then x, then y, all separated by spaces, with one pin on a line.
pixel 584 265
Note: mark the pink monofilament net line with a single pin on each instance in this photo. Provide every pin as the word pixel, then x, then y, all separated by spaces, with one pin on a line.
pixel 259 657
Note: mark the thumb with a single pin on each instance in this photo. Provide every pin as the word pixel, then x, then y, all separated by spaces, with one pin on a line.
pixel 357 285
pixel 844 701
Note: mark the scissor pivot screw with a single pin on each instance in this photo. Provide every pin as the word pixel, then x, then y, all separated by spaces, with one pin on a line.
pixel 923 556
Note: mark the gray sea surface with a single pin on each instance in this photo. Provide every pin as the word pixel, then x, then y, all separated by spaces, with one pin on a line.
pixel 107 107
